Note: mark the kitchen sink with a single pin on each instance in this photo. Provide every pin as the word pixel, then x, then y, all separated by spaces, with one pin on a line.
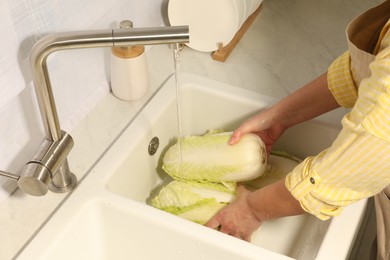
pixel 108 217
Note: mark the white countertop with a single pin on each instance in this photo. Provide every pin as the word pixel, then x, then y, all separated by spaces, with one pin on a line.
pixel 289 44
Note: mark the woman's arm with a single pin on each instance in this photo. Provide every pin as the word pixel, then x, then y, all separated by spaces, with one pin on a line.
pixel 310 101
pixel 246 214
pixel 242 217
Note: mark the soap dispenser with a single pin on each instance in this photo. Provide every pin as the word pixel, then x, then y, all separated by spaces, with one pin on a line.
pixel 129 72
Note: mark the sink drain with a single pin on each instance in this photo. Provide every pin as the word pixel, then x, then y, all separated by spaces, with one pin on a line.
pixel 153 145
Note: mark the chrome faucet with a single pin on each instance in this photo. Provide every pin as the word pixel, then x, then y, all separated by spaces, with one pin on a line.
pixel 49 167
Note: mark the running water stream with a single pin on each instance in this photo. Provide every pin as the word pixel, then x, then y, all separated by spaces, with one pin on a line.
pixel 178 107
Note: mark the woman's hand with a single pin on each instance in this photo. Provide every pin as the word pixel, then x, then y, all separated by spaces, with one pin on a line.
pixel 236 219
pixel 244 215
pixel 267 125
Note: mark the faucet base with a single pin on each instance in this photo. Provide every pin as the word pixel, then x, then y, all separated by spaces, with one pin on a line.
pixel 72 184
pixel 63 180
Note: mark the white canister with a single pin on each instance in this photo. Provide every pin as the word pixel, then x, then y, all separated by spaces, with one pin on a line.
pixel 129 72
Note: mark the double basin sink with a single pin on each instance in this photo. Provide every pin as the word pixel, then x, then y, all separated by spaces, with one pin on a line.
pixel 107 216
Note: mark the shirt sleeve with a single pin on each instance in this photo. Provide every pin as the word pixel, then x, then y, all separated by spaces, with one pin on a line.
pixel 340 81
pixel 375 94
pixel 353 168
pixel 357 164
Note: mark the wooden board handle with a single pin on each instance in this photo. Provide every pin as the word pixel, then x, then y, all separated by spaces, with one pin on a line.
pixel 223 52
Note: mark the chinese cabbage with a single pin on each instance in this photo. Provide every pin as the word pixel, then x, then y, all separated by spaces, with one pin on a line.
pixel 194 201
pixel 209 158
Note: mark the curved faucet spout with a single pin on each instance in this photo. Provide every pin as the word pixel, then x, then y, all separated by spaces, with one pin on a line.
pixel 88 39
pixel 59 178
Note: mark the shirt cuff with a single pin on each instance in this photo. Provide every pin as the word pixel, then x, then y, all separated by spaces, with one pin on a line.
pixel 340 81
pixel 304 184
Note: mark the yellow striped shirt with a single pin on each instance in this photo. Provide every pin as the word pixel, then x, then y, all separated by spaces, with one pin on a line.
pixel 357 165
